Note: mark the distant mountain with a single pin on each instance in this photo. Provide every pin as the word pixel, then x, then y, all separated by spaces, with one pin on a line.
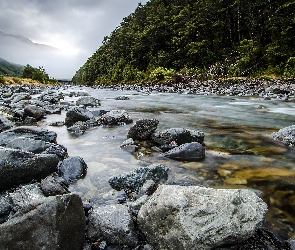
pixel 4 38
pixel 10 69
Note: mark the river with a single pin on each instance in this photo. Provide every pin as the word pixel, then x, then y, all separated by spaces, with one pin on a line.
pixel 239 153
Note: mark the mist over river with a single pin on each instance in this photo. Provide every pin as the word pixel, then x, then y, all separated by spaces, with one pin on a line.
pixel 239 151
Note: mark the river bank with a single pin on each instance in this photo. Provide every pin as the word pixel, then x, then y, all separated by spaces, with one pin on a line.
pixel 54 95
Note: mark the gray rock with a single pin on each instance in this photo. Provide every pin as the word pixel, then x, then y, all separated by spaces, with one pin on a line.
pixel 57 222
pixel 28 132
pixel 17 167
pixel 191 217
pixel 5 124
pixel 77 114
pixel 113 224
pixel 143 129
pixel 178 135
pixel 51 97
pixel 88 101
pixel 193 151
pixel 134 180
pixel 72 168
pixel 34 111
pixel 285 135
pixel 122 98
pixel 58 150
pixel 5 206
pixel 54 185
pixel 28 144
pixel 19 97
pixel 115 117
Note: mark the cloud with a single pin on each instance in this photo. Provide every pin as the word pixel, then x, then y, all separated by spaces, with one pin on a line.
pixel 76 27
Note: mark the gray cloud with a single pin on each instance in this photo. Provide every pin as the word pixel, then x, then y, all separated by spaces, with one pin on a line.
pixel 75 26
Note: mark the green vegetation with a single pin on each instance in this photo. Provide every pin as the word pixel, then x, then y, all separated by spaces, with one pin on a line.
pixel 39 74
pixel 10 69
pixel 2 79
pixel 205 38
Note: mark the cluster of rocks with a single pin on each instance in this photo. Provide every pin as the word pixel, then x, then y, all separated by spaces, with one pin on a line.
pixel 38 211
pixel 282 89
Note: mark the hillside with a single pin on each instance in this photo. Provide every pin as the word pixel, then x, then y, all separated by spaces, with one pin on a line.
pixel 204 38
pixel 10 69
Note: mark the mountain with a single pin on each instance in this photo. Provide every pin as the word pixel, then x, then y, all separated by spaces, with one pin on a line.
pixel 10 69
pixel 204 38
pixel 9 38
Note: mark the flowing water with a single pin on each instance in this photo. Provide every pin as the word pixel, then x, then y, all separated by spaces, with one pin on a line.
pixel 239 153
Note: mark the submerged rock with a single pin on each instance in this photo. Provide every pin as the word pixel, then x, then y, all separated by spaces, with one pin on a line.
pixel 72 168
pixel 191 217
pixel 134 180
pixel 178 135
pixel 193 151
pixel 115 117
pixel 88 101
pixel 77 114
pixel 143 129
pixel 113 224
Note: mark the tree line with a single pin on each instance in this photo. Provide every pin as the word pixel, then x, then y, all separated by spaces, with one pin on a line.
pixel 204 38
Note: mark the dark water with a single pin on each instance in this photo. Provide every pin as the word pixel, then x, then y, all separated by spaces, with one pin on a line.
pixel 239 153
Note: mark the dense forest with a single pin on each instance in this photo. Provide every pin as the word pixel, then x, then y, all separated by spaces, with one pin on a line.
pixel 10 69
pixel 203 38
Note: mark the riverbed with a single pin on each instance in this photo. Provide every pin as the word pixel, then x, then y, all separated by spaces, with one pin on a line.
pixel 239 152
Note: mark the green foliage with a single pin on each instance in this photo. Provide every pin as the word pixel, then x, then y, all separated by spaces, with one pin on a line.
pixel 216 38
pixel 2 80
pixel 161 74
pixel 289 70
pixel 39 74
pixel 17 80
pixel 10 69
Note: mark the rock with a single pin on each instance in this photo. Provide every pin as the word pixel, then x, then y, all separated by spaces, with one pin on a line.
pixel 57 149
pixel 56 222
pixel 54 185
pixel 51 97
pixel 29 120
pixel 88 101
pixel 115 117
pixel 77 114
pixel 285 135
pixel 72 168
pixel 122 98
pixel 143 129
pixel 193 151
pixel 5 206
pixel 5 124
pixel 19 97
pixel 113 224
pixel 17 167
pixel 129 146
pixel 28 132
pixel 34 111
pixel 27 144
pixel 192 217
pixel 178 135
pixel 134 180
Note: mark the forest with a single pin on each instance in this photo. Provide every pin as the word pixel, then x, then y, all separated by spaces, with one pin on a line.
pixel 202 38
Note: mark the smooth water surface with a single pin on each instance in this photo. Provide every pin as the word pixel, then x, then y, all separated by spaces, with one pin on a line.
pixel 239 153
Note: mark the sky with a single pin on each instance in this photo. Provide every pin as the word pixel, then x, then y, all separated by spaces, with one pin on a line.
pixel 75 27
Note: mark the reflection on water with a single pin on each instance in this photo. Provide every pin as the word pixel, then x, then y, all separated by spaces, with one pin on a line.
pixel 239 152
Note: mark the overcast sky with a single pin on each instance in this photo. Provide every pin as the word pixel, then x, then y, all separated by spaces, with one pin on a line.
pixel 76 27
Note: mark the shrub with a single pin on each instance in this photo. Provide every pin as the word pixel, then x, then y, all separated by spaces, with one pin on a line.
pixel 2 79
pixel 289 70
pixel 161 74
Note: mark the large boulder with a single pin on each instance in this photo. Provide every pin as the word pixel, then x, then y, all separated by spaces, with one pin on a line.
pixel 88 101
pixel 72 168
pixel 28 132
pixel 285 135
pixel 28 144
pixel 37 222
pixel 193 217
pixel 115 117
pixel 113 224
pixel 178 135
pixel 193 151
pixel 17 166
pixel 134 180
pixel 34 111
pixel 77 114
pixel 51 97
pixel 143 129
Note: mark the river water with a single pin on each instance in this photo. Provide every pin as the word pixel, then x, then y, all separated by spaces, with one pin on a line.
pixel 239 153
